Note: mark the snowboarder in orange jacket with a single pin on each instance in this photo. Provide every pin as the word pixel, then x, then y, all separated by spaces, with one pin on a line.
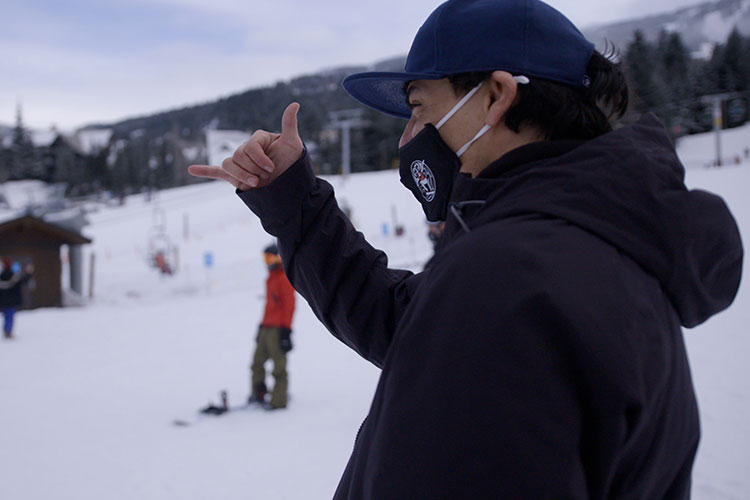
pixel 274 335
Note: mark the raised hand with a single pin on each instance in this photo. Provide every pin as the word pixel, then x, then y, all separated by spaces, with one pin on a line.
pixel 260 159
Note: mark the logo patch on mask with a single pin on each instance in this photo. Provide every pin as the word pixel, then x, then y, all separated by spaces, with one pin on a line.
pixel 424 179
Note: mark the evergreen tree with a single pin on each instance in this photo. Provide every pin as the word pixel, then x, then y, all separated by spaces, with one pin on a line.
pixel 737 70
pixel 642 66
pixel 675 61
pixel 380 140
pixel 701 83
pixel 734 73
pixel 674 68
pixel 5 162
pixel 728 72
pixel 21 150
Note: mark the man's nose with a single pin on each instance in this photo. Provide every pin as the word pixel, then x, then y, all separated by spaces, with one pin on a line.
pixel 408 133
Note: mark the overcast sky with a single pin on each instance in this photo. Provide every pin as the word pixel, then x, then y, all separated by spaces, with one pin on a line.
pixel 75 62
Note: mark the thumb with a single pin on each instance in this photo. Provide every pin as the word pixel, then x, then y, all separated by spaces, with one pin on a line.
pixel 289 130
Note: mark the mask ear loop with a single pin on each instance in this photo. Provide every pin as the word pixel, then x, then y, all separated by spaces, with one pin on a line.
pixel 458 106
pixel 481 132
pixel 520 79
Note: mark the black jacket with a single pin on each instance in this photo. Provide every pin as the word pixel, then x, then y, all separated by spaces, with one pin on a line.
pixel 12 296
pixel 540 354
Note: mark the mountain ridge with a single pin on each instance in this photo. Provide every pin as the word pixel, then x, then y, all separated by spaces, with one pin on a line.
pixel 700 26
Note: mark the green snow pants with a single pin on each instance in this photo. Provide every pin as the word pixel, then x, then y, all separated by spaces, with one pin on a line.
pixel 268 347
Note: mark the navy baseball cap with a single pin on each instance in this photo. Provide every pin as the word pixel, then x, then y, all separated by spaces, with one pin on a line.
pixel 522 37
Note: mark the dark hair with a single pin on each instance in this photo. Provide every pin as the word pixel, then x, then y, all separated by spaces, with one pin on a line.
pixel 560 111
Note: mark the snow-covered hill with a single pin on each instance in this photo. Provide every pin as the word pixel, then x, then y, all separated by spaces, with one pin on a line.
pixel 89 394
pixel 701 25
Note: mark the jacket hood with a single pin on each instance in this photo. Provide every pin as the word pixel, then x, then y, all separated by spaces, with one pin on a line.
pixel 626 187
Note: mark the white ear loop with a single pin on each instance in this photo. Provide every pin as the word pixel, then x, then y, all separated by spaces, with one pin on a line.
pixel 458 106
pixel 522 80
pixel 481 132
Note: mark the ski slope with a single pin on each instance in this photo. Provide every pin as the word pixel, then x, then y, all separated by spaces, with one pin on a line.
pixel 89 394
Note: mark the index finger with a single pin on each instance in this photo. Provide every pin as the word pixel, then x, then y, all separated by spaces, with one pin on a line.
pixel 214 172
pixel 210 171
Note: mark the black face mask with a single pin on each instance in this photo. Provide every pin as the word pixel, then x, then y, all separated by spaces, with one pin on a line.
pixel 428 167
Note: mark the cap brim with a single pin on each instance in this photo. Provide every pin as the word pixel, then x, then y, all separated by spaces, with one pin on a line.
pixel 384 91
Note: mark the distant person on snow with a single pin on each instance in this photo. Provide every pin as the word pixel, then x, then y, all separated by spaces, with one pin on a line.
pixel 540 354
pixel 435 232
pixel 274 335
pixel 11 296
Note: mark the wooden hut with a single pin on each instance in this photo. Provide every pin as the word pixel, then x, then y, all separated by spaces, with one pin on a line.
pixel 29 239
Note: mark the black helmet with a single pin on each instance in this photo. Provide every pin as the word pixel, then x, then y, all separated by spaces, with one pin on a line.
pixel 272 249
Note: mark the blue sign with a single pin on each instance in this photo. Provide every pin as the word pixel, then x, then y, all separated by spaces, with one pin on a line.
pixel 208 259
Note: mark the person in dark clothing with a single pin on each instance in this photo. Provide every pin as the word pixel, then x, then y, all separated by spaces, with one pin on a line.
pixel 540 354
pixel 435 232
pixel 274 338
pixel 11 293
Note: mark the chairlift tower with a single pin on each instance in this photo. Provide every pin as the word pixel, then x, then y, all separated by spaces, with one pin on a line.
pixel 346 120
pixel 716 100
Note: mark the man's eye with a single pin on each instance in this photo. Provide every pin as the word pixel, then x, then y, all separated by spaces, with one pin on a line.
pixel 412 105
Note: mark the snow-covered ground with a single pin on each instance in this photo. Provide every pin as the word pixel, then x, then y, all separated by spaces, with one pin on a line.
pixel 700 151
pixel 88 395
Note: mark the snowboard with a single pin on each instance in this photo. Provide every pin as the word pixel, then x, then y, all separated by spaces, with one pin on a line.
pixel 202 415
pixel 212 410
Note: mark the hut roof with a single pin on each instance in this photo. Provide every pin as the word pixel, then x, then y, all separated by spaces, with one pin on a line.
pixel 65 236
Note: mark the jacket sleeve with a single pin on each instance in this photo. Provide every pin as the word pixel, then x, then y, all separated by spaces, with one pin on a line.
pixel 13 281
pixel 346 281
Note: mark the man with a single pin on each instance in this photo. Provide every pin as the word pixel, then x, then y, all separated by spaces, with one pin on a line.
pixel 274 335
pixel 539 355
pixel 11 293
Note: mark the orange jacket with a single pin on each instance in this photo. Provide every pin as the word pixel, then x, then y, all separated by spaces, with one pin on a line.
pixel 279 300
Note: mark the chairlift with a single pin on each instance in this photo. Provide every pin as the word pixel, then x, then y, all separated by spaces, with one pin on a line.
pixel 161 252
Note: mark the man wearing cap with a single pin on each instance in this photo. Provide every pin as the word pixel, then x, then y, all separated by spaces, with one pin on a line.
pixel 540 354
pixel 274 335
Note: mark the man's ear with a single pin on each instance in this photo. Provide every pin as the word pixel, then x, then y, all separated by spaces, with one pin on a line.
pixel 503 90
